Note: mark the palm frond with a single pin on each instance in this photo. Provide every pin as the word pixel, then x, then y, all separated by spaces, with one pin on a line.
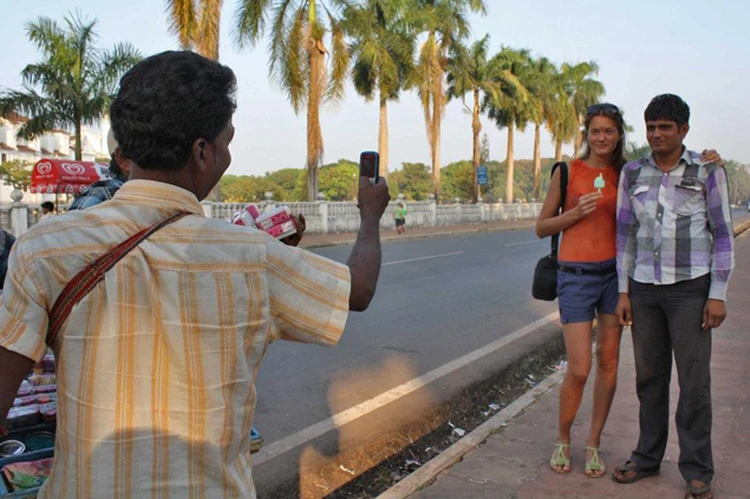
pixel 339 61
pixel 207 30
pixel 182 21
pixel 252 16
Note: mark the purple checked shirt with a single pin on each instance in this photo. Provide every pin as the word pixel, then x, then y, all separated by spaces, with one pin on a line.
pixel 674 226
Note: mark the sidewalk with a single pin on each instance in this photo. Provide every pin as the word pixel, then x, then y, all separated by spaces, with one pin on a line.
pixel 321 240
pixel 513 462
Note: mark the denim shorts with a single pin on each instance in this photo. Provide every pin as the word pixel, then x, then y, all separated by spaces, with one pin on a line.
pixel 580 297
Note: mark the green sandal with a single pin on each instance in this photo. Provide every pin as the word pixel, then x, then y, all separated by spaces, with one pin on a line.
pixel 594 467
pixel 559 459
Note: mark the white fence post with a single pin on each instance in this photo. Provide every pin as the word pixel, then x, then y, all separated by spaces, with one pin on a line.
pixel 208 208
pixel 19 214
pixel 323 207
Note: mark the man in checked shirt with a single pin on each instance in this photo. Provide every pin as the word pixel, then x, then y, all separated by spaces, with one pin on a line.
pixel 674 259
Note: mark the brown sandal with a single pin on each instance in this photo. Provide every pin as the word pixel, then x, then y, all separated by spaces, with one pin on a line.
pixel 630 466
pixel 694 491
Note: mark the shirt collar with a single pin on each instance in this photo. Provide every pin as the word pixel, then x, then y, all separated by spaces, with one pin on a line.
pixel 168 196
pixel 687 158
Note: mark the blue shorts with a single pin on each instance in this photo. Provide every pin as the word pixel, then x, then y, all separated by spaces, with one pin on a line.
pixel 580 297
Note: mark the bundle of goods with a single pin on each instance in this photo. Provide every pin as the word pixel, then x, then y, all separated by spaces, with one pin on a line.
pixel 26 452
pixel 277 223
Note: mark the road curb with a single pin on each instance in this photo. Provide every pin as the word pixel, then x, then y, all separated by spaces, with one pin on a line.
pixel 742 228
pixel 455 452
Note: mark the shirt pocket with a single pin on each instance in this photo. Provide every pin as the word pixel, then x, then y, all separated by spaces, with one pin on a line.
pixel 638 196
pixel 689 200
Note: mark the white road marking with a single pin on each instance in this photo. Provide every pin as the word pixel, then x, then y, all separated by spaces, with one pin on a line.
pixel 521 243
pixel 289 442
pixel 419 259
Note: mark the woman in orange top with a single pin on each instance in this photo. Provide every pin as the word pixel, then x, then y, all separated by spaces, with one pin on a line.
pixel 587 278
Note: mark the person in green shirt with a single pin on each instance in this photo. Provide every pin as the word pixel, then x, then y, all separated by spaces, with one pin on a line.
pixel 400 215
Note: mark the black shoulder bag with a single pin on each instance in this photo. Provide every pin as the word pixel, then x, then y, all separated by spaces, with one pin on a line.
pixel 544 286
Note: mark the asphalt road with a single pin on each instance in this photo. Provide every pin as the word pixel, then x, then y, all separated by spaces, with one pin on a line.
pixel 437 299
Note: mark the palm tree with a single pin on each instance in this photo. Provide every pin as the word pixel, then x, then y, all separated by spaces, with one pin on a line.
pixel 541 86
pixel 561 119
pixel 298 60
pixel 445 23
pixel 74 82
pixel 512 108
pixel 383 54
pixel 583 90
pixel 196 24
pixel 470 71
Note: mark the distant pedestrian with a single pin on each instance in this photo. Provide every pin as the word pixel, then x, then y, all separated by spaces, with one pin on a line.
pixel 399 214
pixel 48 211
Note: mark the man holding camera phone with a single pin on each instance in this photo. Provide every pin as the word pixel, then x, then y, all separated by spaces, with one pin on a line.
pixel 157 361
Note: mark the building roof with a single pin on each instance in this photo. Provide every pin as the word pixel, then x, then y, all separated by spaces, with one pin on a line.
pixel 5 147
pixel 15 118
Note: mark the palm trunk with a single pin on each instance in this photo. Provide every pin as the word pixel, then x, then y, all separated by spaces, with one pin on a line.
pixel 537 160
pixel 383 136
pixel 436 130
pixel 78 151
pixel 578 137
pixel 314 133
pixel 558 150
pixel 509 163
pixel 476 128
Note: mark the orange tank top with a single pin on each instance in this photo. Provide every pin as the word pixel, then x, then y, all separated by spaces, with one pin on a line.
pixel 593 238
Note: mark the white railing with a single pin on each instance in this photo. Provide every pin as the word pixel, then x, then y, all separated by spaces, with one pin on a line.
pixel 329 217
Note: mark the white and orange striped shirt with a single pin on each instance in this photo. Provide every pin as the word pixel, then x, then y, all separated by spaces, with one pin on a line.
pixel 156 367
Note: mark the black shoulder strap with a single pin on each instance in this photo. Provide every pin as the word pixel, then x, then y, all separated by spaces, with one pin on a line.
pixel 563 193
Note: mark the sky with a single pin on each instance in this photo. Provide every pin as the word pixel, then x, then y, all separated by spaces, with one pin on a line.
pixel 696 49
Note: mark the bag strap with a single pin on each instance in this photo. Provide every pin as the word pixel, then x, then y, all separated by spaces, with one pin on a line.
pixel 563 166
pixel 92 274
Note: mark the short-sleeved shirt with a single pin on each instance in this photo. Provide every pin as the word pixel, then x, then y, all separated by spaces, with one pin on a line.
pixel 399 213
pixel 593 238
pixel 156 367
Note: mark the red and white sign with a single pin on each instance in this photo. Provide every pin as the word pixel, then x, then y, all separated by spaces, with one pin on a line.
pixel 64 176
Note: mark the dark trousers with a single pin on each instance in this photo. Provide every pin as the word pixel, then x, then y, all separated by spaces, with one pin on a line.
pixel 667 319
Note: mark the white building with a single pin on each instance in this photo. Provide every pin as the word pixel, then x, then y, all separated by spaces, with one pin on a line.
pixel 54 144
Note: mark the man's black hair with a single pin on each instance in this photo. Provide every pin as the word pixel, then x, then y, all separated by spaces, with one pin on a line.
pixel 168 101
pixel 668 107
pixel 48 205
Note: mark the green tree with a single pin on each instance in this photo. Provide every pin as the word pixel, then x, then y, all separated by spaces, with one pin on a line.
pixel 583 91
pixel 633 151
pixel 383 54
pixel 74 82
pixel 444 23
pixel 286 178
pixel 413 181
pixel 249 189
pixel 298 60
pixel 471 71
pixel 484 151
pixel 511 108
pixel 561 120
pixel 16 173
pixel 739 182
pixel 459 180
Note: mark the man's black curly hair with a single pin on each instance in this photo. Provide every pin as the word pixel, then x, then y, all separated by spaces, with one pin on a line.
pixel 668 107
pixel 168 101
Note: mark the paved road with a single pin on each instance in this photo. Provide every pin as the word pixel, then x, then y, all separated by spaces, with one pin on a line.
pixel 437 300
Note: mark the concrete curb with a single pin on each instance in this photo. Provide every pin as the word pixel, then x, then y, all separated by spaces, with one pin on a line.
pixel 742 228
pixel 455 452
pixel 415 237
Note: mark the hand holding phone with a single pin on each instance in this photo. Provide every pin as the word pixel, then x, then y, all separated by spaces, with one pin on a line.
pixel 369 166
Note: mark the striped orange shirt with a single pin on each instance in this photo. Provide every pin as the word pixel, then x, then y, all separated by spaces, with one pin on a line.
pixel 156 367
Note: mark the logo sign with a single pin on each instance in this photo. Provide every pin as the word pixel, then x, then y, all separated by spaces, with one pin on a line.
pixel 73 168
pixel 44 168
pixel 482 175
